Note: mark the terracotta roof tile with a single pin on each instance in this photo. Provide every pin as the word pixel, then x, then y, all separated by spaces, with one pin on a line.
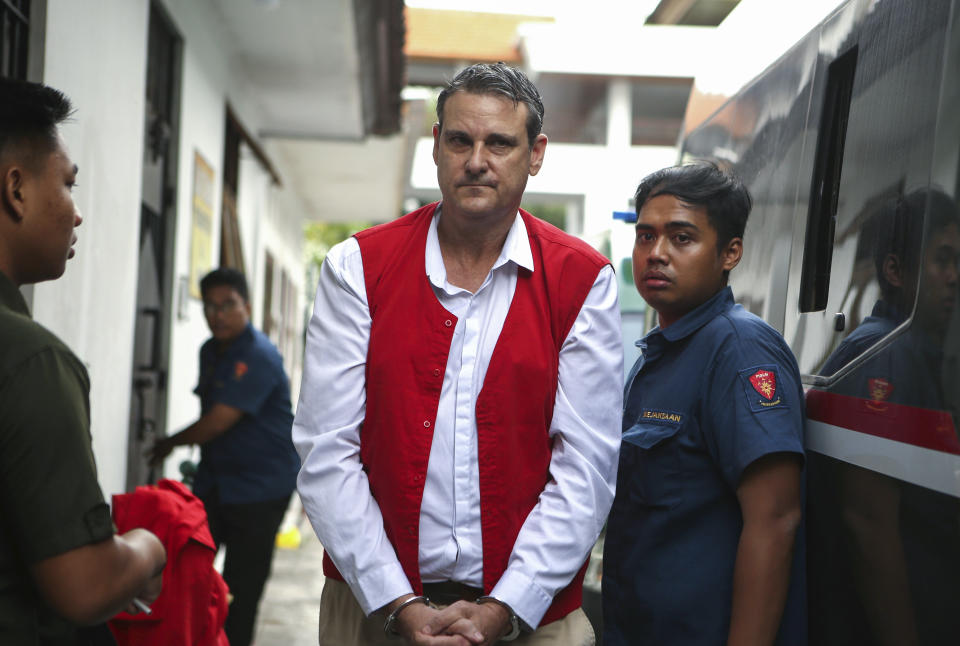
pixel 464 35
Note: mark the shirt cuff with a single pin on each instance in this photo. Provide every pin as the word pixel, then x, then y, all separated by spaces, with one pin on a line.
pixel 527 599
pixel 375 589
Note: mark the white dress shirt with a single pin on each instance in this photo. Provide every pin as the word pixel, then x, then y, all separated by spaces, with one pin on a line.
pixel 559 532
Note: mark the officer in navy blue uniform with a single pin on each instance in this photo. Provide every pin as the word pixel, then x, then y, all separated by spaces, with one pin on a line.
pixel 702 543
pixel 913 279
pixel 248 466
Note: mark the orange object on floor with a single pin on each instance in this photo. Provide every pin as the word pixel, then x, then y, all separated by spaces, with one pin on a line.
pixel 192 606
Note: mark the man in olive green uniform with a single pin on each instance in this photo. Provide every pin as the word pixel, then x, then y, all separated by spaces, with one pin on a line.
pixel 61 566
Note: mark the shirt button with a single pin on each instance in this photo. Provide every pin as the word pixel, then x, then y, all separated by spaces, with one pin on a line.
pixel 417 478
pixel 412 530
pixel 426 423
pixel 448 322
pixel 436 372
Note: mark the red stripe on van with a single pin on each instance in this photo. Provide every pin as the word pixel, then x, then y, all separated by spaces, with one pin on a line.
pixel 930 429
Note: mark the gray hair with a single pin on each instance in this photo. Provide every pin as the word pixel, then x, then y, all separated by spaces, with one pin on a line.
pixel 497 78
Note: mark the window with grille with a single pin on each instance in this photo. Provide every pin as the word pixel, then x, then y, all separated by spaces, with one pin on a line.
pixel 14 38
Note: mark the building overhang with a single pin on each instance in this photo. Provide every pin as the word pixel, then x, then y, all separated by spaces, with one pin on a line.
pixel 319 70
pixel 325 79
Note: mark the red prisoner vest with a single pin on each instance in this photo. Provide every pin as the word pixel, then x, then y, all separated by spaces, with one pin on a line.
pixel 410 338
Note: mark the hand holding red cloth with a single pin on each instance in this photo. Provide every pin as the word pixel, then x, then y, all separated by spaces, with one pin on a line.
pixel 192 605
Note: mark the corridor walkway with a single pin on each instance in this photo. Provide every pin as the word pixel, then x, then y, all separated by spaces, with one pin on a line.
pixel 288 610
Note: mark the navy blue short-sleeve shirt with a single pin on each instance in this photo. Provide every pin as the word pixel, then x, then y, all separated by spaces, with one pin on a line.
pixel 255 460
pixel 711 394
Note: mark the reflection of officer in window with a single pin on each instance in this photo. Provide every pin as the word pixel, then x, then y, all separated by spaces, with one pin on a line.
pixel 901 540
pixel 909 371
pixel 248 466
pixel 700 541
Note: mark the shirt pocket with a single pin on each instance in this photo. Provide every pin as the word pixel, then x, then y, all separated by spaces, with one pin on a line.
pixel 650 464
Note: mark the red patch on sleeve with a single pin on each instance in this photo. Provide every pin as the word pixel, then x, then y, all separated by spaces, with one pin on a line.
pixel 239 369
pixel 880 389
pixel 765 383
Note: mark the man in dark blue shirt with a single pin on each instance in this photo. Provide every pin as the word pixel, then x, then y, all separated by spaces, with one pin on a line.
pixel 702 544
pixel 248 465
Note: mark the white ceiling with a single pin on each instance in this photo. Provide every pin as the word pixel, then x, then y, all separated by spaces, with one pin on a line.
pixel 300 57
pixel 300 60
pixel 344 181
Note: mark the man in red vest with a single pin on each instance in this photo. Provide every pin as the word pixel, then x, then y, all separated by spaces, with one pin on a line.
pixel 459 414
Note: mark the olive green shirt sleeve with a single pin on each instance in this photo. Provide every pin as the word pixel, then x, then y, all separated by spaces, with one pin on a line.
pixel 49 493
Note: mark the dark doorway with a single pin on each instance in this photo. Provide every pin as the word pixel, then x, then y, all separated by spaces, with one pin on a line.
pixel 22 33
pixel 231 248
pixel 151 350
pixel 14 38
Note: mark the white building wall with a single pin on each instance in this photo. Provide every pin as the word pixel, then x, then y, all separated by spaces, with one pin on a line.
pixel 282 236
pixel 202 113
pixel 271 220
pixel 211 80
pixel 96 54
pixel 606 176
pixel 253 207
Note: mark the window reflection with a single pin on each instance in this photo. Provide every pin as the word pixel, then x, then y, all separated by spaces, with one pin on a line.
pixel 892 547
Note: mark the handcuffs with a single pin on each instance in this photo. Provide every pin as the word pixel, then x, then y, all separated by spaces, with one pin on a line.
pixel 388 626
pixel 514 620
pixel 390 630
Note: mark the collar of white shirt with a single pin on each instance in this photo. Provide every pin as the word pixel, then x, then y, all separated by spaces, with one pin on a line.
pixel 516 248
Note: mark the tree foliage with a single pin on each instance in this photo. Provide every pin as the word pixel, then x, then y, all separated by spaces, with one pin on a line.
pixel 319 238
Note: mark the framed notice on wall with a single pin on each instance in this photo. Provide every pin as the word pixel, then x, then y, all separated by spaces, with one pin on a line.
pixel 201 238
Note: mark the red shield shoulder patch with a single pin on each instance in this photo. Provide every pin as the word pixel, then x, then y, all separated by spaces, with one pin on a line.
pixel 765 383
pixel 762 388
pixel 880 389
pixel 239 370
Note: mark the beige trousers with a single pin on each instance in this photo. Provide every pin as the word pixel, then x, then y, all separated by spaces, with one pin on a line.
pixel 342 623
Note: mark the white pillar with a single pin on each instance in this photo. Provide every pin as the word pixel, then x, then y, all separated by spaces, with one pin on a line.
pixel 619 111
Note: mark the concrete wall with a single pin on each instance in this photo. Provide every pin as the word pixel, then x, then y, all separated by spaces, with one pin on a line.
pixel 96 53
pixel 270 220
pixel 211 80
pixel 205 77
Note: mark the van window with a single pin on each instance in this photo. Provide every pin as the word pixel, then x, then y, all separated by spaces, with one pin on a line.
pixel 909 248
pixel 825 188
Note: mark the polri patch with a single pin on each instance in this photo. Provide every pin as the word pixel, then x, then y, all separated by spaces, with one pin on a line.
pixel 761 387
pixel 239 370
pixel 660 416
pixel 880 389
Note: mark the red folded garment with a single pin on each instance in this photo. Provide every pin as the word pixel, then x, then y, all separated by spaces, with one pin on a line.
pixel 192 607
